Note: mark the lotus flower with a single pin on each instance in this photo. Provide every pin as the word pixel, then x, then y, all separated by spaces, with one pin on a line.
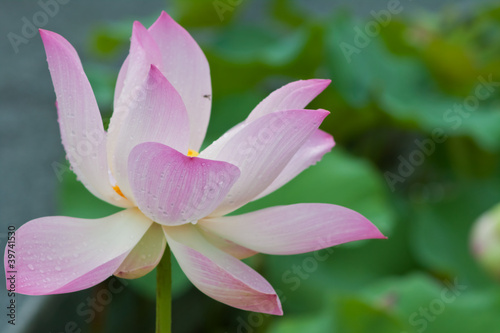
pixel 147 163
pixel 485 241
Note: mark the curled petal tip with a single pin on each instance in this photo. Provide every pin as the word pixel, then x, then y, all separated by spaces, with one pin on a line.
pixel 322 82
pixel 164 18
pixel 45 34
pixel 376 234
pixel 138 32
pixel 323 113
pixel 382 236
pixel 164 15
pixel 137 25
pixel 154 68
pixel 278 310
pixel 51 34
pixel 371 231
pixel 271 305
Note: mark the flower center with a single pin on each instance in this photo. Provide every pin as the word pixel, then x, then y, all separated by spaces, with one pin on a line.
pixel 117 190
pixel 192 153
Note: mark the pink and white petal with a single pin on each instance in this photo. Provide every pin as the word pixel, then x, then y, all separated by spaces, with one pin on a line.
pixel 172 188
pixel 293 229
pixel 143 53
pixel 309 154
pixel 262 149
pixel 186 67
pixel 58 254
pixel 82 131
pixel 129 92
pixel 159 117
pixel 122 74
pixel 227 246
pixel 293 96
pixel 145 256
pixel 218 274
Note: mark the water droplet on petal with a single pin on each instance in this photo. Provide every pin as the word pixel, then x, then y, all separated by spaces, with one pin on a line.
pixel 30 266
pixel 57 268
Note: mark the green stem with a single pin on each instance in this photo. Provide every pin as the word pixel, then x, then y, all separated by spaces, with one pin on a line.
pixel 164 294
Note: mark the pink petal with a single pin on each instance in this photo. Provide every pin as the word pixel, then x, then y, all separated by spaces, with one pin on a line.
pixel 262 149
pixel 59 254
pixel 227 246
pixel 309 154
pixel 159 117
pixel 122 74
pixel 293 96
pixel 172 188
pixel 293 229
pixel 186 67
pixel 129 91
pixel 82 131
pixel 143 52
pixel 219 275
pixel 145 256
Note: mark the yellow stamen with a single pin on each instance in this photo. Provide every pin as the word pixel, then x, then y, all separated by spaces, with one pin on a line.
pixel 192 153
pixel 117 190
